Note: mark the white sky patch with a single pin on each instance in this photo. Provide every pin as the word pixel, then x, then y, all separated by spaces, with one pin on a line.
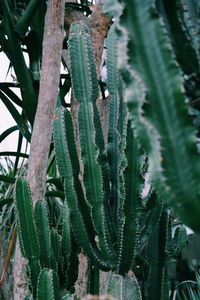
pixel 6 120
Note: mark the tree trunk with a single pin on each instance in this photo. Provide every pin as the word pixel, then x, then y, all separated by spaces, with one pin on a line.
pixel 42 130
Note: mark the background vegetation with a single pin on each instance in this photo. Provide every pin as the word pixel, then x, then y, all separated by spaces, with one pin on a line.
pixel 113 169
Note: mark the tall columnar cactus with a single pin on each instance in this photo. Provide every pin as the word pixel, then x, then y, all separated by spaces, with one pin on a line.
pixel 93 211
pixel 83 234
pixel 92 174
pixel 46 251
pixel 104 211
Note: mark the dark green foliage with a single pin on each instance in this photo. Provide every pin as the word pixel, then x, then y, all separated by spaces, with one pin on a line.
pixel 154 78
pixel 102 207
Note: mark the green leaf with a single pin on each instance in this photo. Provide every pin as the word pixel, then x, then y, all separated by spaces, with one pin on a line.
pixel 16 116
pixel 11 153
pixel 7 178
pixel 66 231
pixel 24 22
pixel 18 61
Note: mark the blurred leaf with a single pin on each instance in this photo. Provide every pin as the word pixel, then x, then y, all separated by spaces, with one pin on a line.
pixel 11 95
pixel 11 153
pixel 7 132
pixel 13 49
pixel 16 116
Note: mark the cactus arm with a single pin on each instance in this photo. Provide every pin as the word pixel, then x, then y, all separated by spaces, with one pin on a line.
pixel 56 244
pixel 69 133
pixel 132 203
pixel 113 135
pixel 48 285
pixel 181 40
pixel 92 176
pixel 26 225
pixel 190 12
pixel 99 138
pixel 42 222
pixel 157 245
pixel 28 237
pixel 173 156
pixel 66 231
pixel 34 269
pixel 80 230
pixel 179 240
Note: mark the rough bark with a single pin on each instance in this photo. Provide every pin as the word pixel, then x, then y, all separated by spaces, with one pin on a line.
pixel 49 84
pixel 42 130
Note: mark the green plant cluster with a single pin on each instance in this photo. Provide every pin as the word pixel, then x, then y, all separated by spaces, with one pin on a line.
pixel 108 217
pixel 153 81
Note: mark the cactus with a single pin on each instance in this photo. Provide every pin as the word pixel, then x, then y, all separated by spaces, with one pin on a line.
pixel 173 16
pixel 132 203
pixel 124 288
pixel 81 232
pixel 179 240
pixel 92 175
pixel 170 137
pixel 42 222
pixel 48 285
pixel 104 212
pixel 157 257
pixel 28 237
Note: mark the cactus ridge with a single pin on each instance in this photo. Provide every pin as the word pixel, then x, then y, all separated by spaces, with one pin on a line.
pixel 28 236
pixel 165 114
pixel 190 11
pixel 114 158
pixel 79 228
pixel 48 285
pixel 132 203
pixel 56 247
pixel 99 138
pixel 81 234
pixel 69 133
pixel 42 223
pixel 157 246
pixel 66 231
pixel 179 241
pixel 172 14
